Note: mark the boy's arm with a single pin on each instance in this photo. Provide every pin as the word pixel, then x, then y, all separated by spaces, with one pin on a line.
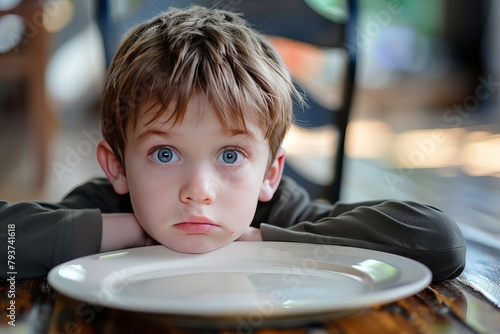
pixel 410 229
pixel 43 235
pixel 122 230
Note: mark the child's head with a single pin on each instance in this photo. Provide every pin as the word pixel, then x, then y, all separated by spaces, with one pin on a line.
pixel 194 111
pixel 182 52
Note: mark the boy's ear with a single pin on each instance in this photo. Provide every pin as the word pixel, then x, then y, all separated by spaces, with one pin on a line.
pixel 273 177
pixel 112 167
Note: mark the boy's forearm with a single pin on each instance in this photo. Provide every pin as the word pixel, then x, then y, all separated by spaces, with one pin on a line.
pixel 251 234
pixel 407 228
pixel 121 230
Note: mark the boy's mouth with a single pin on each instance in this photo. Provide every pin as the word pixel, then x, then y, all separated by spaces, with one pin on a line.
pixel 196 227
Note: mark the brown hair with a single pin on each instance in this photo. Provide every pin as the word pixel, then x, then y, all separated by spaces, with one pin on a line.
pixel 181 52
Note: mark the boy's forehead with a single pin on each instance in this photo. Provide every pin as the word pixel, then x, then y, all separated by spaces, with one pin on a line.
pixel 153 117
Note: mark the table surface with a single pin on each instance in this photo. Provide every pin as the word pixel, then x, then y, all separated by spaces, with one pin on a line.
pixel 467 304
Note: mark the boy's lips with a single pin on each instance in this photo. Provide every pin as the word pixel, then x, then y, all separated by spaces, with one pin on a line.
pixel 196 226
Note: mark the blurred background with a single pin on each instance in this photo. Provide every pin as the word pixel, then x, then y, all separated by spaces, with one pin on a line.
pixel 423 123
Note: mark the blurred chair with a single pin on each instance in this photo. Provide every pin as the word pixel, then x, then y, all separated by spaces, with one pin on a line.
pixel 298 30
pixel 25 63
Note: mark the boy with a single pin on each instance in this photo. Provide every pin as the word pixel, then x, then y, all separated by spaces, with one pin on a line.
pixel 194 111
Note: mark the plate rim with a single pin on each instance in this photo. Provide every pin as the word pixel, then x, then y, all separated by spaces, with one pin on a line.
pixel 81 292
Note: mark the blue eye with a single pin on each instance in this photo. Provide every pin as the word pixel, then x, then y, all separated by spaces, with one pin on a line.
pixel 164 155
pixel 231 156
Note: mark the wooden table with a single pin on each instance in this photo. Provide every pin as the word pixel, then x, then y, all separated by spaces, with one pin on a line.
pixel 468 304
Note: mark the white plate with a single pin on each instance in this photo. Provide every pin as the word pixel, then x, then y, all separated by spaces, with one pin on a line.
pixel 254 280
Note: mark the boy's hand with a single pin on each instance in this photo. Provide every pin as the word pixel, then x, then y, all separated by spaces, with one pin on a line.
pixel 251 234
pixel 121 230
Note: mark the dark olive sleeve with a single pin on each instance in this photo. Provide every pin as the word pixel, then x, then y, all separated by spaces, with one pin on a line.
pixel 43 235
pixel 414 230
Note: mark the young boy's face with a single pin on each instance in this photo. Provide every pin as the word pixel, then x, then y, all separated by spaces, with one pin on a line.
pixel 194 187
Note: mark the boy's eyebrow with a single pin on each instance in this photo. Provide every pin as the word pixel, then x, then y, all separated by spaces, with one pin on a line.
pixel 236 132
pixel 156 132
pixel 152 132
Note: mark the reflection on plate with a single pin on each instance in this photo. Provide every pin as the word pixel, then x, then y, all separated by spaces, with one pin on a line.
pixel 264 280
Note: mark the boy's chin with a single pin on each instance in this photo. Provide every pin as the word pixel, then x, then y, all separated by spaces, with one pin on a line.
pixel 197 247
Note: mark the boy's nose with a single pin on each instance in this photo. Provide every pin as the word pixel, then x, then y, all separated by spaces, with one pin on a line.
pixel 198 189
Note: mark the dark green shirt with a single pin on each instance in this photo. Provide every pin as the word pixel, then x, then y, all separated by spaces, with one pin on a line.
pixel 47 234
